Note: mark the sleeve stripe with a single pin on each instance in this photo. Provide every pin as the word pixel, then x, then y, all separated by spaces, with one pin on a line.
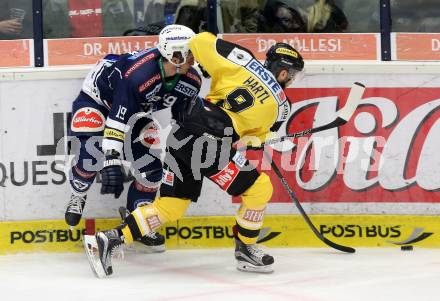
pixel 108 144
pixel 116 125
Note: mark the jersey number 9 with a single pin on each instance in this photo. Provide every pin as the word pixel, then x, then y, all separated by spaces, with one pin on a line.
pixel 239 100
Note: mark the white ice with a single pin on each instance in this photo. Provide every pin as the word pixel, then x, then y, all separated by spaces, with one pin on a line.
pixel 300 275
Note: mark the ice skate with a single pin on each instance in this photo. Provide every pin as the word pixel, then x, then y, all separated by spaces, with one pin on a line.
pixel 100 248
pixel 74 210
pixel 250 258
pixel 150 243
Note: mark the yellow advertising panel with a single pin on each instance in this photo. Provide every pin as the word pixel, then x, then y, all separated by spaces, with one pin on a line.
pixel 216 232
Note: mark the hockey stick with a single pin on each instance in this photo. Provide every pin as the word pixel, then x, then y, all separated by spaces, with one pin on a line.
pixel 343 115
pixel 303 213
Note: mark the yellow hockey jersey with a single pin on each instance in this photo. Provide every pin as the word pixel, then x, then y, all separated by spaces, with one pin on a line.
pixel 240 84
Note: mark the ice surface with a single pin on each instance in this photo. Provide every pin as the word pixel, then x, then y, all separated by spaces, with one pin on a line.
pixel 300 274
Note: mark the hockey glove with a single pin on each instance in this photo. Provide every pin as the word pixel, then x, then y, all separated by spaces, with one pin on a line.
pixel 112 176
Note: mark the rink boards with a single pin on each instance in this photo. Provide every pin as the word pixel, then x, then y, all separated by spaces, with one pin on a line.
pixel 216 232
pixel 378 183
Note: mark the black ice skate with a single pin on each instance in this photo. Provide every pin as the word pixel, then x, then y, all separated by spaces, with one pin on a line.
pixel 150 243
pixel 250 258
pixel 100 249
pixel 74 210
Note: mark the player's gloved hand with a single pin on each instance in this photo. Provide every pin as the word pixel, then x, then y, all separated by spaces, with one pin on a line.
pixel 112 175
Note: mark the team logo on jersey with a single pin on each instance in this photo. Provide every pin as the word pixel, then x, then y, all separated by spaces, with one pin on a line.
pixel 150 95
pixel 168 177
pixel 226 176
pixel 149 82
pixel 149 135
pixel 186 89
pixel 88 120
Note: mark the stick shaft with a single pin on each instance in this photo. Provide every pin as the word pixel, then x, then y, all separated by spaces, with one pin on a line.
pixel 303 213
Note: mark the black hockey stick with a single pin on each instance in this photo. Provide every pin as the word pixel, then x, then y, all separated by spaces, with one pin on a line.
pixel 301 209
pixel 344 114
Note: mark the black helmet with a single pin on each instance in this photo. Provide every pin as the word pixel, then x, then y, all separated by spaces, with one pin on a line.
pixel 283 56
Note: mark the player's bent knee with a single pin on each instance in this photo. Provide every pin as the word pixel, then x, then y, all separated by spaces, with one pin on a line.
pixel 259 193
pixel 146 219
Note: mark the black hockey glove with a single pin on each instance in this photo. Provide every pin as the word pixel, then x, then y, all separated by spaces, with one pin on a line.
pixel 112 176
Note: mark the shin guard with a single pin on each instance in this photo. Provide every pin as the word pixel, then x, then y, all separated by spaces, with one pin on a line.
pixel 251 213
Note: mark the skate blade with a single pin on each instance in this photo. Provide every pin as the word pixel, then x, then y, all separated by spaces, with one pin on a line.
pixel 92 252
pixel 138 247
pixel 250 268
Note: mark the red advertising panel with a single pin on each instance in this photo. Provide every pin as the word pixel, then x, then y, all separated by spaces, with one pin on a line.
pixel 387 152
pixel 15 53
pixel 325 46
pixel 89 50
pixel 417 46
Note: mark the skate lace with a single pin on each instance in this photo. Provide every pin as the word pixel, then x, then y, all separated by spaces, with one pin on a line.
pixel 75 204
pixel 255 251
pixel 117 252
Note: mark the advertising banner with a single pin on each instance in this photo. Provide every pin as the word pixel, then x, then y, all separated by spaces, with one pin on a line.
pixel 216 232
pixel 16 53
pixel 416 46
pixel 386 153
pixel 34 116
pixel 312 46
pixel 384 160
pixel 331 46
pixel 82 51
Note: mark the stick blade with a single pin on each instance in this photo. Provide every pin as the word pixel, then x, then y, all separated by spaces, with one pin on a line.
pixel 353 100
pixel 338 247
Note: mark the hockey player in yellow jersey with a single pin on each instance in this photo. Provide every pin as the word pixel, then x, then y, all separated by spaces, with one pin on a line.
pixel 250 95
pixel 246 102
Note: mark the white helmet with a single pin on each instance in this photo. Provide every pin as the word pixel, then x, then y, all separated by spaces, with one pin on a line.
pixel 175 38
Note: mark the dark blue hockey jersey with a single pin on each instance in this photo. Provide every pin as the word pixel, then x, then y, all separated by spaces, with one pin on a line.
pixel 134 82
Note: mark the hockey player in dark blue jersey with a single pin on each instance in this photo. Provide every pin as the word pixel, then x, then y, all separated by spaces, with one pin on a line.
pixel 116 101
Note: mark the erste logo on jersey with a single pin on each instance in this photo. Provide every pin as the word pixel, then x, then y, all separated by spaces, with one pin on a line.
pixel 267 79
pixel 186 89
pixel 88 120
